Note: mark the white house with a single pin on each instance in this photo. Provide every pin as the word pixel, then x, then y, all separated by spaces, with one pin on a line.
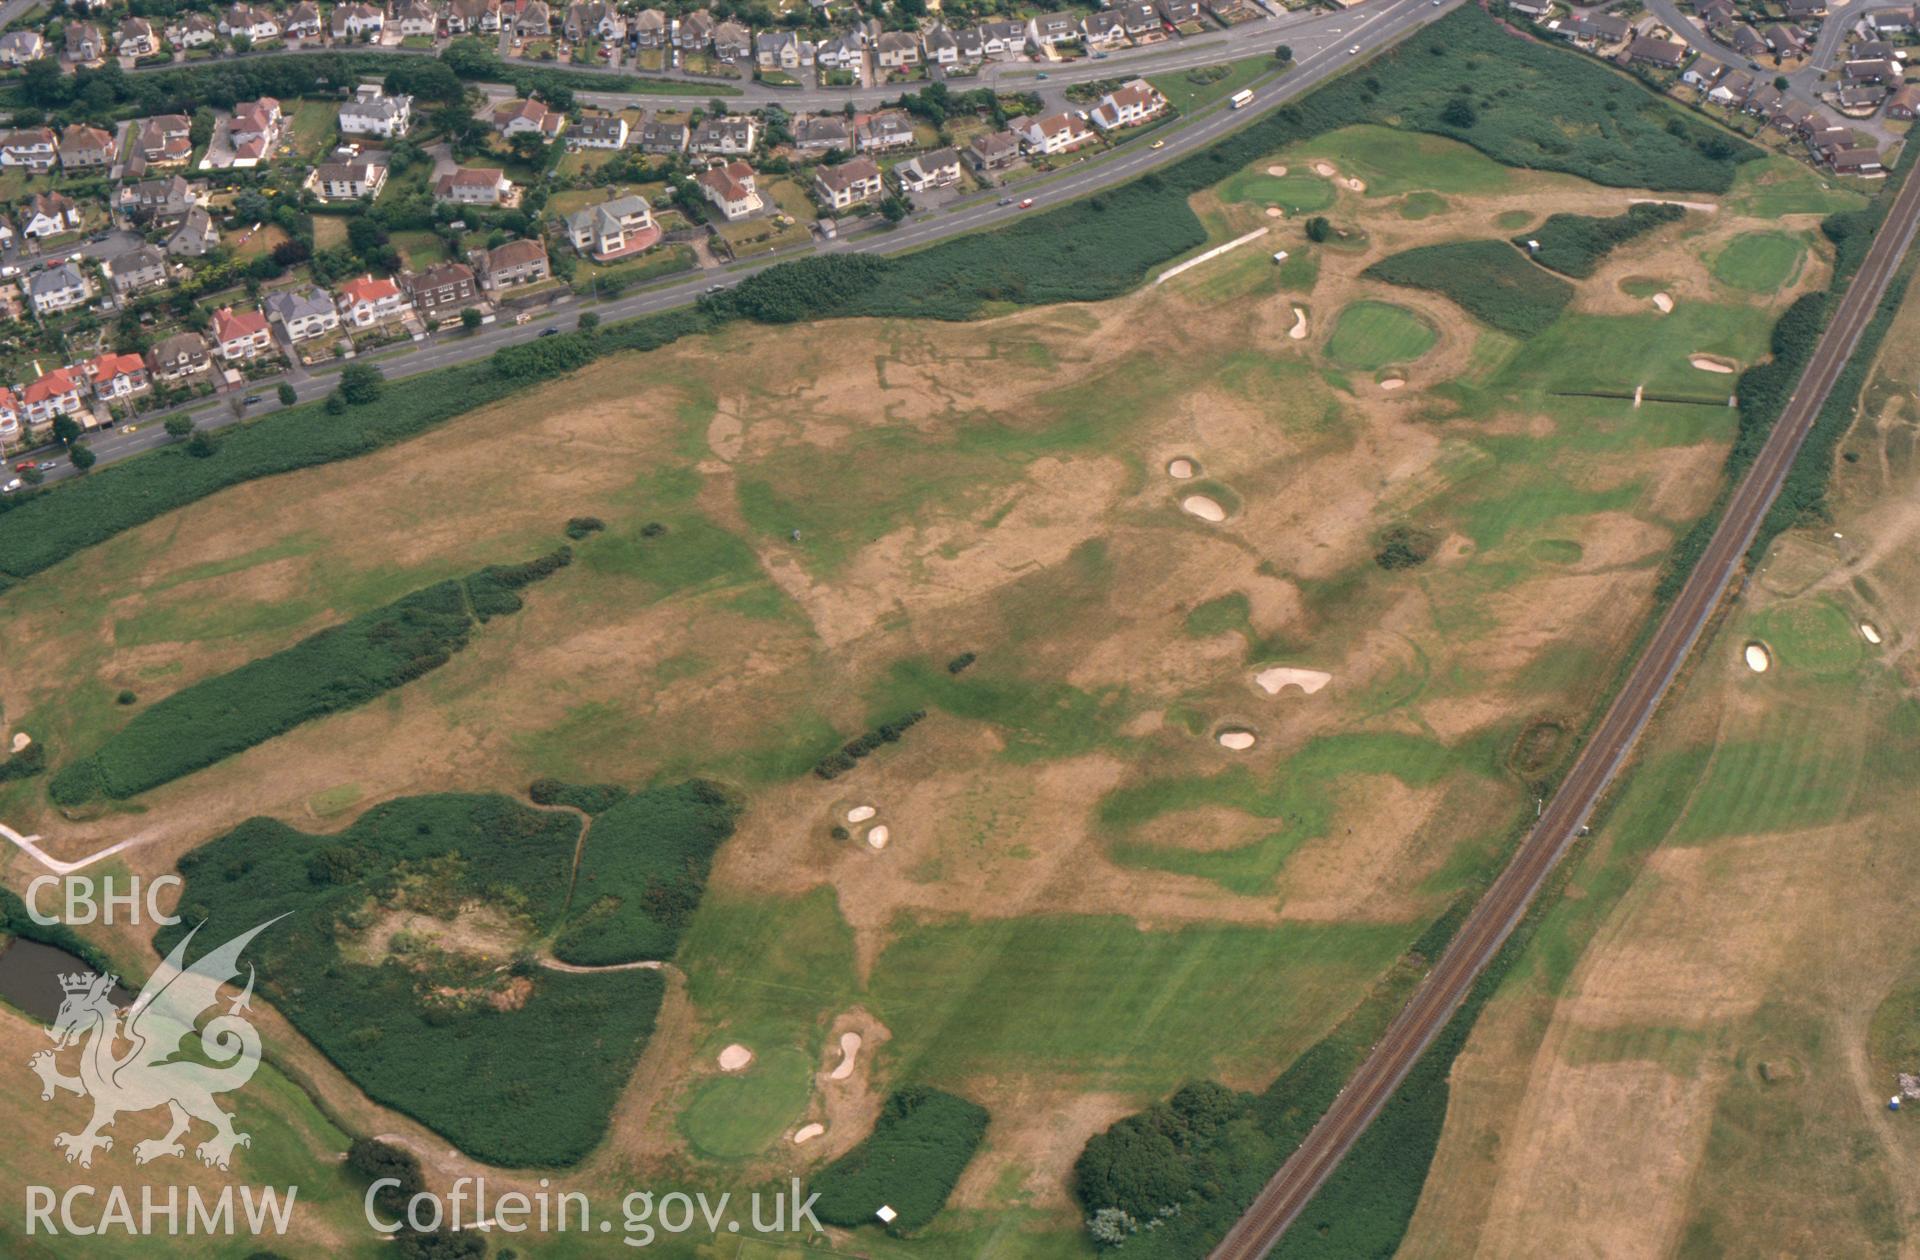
pixel 372 112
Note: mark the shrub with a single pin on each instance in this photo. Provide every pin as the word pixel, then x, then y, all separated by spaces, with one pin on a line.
pixel 361 383
pixel 837 764
pixel 919 1146
pixel 493 591
pixel 960 662
pixel 125 697
pixel 288 395
pixel 1485 278
pixel 580 526
pixel 1404 547
pixel 592 798
pixel 1576 244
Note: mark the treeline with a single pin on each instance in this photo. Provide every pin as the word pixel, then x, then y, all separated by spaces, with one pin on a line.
pixel 339 668
pixel 1576 244
pixel 911 1161
pixel 109 90
pixel 1489 281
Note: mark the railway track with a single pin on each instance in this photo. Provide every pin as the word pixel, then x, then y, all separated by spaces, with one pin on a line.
pixel 1493 919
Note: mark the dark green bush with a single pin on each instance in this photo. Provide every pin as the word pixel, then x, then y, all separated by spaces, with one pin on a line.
pixel 590 798
pixel 836 764
pixel 580 526
pixel 1576 244
pixel 960 662
pixel 919 1146
pixel 1404 547
pixel 1485 278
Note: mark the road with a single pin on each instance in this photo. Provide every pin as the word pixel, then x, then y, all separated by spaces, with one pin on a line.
pixel 1497 913
pixel 1320 52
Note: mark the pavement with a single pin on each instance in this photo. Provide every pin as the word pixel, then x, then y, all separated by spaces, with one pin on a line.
pixel 1319 43
pixel 1564 819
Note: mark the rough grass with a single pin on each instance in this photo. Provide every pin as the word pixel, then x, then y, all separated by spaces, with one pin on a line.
pixel 1488 279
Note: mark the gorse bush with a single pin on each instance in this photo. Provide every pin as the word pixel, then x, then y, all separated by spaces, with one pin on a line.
pixel 589 798
pixel 919 1146
pixel 1487 279
pixel 837 764
pixel 1576 244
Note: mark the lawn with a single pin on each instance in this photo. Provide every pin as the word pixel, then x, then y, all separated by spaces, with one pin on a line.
pixel 1780 185
pixel 1392 162
pixel 1190 89
pixel 314 127
pixel 1760 262
pixel 1369 335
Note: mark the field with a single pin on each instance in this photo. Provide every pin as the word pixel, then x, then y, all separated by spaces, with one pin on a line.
pixel 1696 1055
pixel 807 537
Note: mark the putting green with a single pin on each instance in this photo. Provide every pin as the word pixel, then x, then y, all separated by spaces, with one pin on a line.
pixel 731 1117
pixel 1759 262
pixel 1296 191
pixel 1369 335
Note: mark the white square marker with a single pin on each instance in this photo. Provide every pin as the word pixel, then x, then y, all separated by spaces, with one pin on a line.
pixel 886 1214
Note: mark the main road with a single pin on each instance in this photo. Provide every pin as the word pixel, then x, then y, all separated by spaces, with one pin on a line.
pixel 1321 51
pixel 1497 913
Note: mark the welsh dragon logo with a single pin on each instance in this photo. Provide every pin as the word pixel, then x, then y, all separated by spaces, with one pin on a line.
pixel 157 1070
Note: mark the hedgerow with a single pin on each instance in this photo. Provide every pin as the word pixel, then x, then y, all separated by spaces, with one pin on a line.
pixel 642 872
pixel 494 590
pixel 1576 244
pixel 515 1067
pixel 1488 280
pixel 836 764
pixel 910 1162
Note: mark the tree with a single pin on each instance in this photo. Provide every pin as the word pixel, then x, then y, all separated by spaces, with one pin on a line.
pixel 1319 229
pixel 242 43
pixel 201 444
pixel 589 320
pixel 66 430
pixel 361 383
pixel 288 395
pixel 1780 83
pixel 179 426
pixel 200 128
pixel 528 146
pixel 1283 54
pixel 335 404
pixel 81 455
pixel 365 236
pixel 471 319
pixel 894 208
pixel 1459 113
pixel 32 476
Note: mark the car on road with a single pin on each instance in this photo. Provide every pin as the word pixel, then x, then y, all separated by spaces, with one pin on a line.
pixel 24 466
pixel 1039 76
pixel 47 465
pixel 250 400
pixel 1026 203
pixel 1004 201
pixel 1354 51
pixel 11 486
pixel 1158 144
pixel 133 428
pixel 549 332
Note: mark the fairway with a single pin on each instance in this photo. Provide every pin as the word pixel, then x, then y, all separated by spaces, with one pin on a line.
pixel 1759 262
pixel 1369 335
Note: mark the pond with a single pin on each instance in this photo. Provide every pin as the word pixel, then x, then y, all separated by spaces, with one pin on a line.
pixel 30 978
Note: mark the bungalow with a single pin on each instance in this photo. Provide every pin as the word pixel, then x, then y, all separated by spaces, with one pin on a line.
pixel 648 29
pixel 49 214
pixel 1787 41
pixel 1594 30
pixel 241 335
pixel 727 136
pixel 162 140
pixel 1871 71
pixel 356 23
pixel 473 17
pixel 848 184
pixel 1714 13
pixel 1129 106
pixel 528 117
pixel 1746 41
pixel 254 130
pixel 1703 73
pixel 1804 10
pixel 882 132
pixel 1002 41
pixel 179 357
pixel 516 262
pixel 663 137
pixel 344 181
pixel 416 17
pixel 441 292
pixel 1052 30
pixel 614 228
pixel 84 43
pixel 58 289
pixel 303 21
pixel 731 189
pixel 304 315
pixel 732 41
pixel 821 132
pixel 142 267
pixel 896 50
pixel 372 112
pixel 598 131
pixel 994 150
pixel 938 169
pixel 1904 105
pixel 1893 21
pixel 136 38
pixel 371 300
pixel 1056 133
pixel 1104 29
pixel 474 186
pixel 35 148
pixel 1660 53
pixel 17 48
pixel 196 237
pixel 1852 161
pixel 115 376
pixel 55 394
pixel 83 147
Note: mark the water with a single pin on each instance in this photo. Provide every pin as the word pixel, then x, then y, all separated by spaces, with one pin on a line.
pixel 30 978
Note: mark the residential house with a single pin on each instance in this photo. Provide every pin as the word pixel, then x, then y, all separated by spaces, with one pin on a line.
pixel 1595 30
pixel 344 181
pixel 257 25
pixel 9 416
pixel 1870 71
pixel 196 30
pixel 304 315
pixel 818 133
pixel 939 169
pixel 196 237
pixel 416 17
pixel 1746 41
pixel 473 17
pixel 1856 161
pixel 534 22
pixel 162 140
pixel 848 184
pixel 441 292
pixel 370 300
pixel 1661 54
pixel 54 394
pixel 732 41
pixel 85 148
pixel 157 200
pixel 1104 29
pixel 528 117
pixel 1178 13
pixel 883 132
pixel 1052 30
pixel 136 38
pixel 942 49
pixel 49 214
pixel 896 50
pixel 663 137
pixel 615 228
pixel 732 189
pixel 84 43
pixel 241 335
pixel 1003 40
pixel 994 150
pixel 372 112
pixel 1056 133
pixel 588 20
pixel 356 23
pixel 1714 13
pixel 58 288
pixel 474 186
pixel 1135 103
pixel 142 267
pixel 781 50
pixel 17 48
pixel 1904 104
pixel 648 29
pixel 1703 73
pixel 599 131
pixel 1788 41
pixel 115 377
pixel 255 130
pixel 1142 21
pixel 514 263
pixel 36 148
pixel 846 52
pixel 693 32
pixel 1804 10
pixel 303 21
pixel 725 136
pixel 1893 21
pixel 179 357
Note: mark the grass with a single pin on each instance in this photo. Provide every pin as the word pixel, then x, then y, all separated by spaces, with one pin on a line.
pixel 1489 279
pixel 1779 185
pixel 1368 335
pixel 1393 162
pixel 742 1114
pixel 1760 262
pixel 1188 90
pixel 1298 191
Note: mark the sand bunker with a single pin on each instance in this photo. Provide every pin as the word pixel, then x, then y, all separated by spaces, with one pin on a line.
pixel 1237 740
pixel 1663 303
pixel 849 1050
pixel 1275 212
pixel 1278 172
pixel 807 1132
pixel 1758 658
pixel 860 813
pixel 1181 469
pixel 1357 185
pixel 1707 363
pixel 1393 382
pixel 1868 631
pixel 1274 680
pixel 21 739
pixel 1323 169
pixel 735 1057
pixel 877 836
pixel 1299 330
pixel 1201 506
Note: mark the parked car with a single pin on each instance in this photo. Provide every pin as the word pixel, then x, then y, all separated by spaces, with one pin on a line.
pixel 549 332
pixel 24 467
pixel 11 486
pixel 1026 203
pixel 47 465
pixel 1006 201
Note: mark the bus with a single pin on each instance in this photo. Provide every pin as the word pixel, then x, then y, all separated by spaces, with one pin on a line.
pixel 1242 98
